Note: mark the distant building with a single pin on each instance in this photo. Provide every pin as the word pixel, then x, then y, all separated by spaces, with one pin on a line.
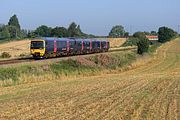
pixel 152 39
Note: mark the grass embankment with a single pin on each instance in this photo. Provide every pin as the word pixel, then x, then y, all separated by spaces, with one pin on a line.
pixel 79 66
pixel 153 48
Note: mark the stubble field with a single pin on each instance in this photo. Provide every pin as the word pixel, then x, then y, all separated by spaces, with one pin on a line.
pixel 150 91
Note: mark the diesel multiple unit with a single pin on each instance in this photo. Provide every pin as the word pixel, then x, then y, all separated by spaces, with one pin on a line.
pixel 54 47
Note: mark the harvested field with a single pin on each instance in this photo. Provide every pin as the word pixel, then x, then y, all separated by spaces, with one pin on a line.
pixel 149 91
pixel 116 42
pixel 16 48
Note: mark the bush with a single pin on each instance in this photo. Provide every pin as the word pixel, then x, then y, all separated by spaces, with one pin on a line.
pixel 166 34
pixel 139 35
pixel 131 42
pixel 5 55
pixel 143 45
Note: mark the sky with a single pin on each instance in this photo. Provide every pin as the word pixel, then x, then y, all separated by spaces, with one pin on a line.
pixel 94 16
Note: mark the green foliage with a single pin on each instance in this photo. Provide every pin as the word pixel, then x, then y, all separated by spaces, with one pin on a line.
pixel 147 33
pixel 24 33
pixel 126 34
pixel 117 31
pixel 5 55
pixel 4 32
pixel 14 32
pixel 68 67
pixel 154 33
pixel 74 30
pixel 13 21
pixel 154 47
pixel 113 61
pixel 59 32
pixel 31 34
pixel 143 45
pixel 9 73
pixel 166 34
pixel 132 41
pixel 43 31
pixel 139 35
pixel 141 41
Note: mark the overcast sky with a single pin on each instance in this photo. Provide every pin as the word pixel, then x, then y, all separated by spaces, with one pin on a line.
pixel 95 16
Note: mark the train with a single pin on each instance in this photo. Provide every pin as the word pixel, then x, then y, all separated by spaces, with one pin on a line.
pixel 55 47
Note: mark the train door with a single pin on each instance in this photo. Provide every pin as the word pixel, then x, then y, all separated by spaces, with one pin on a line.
pixel 55 46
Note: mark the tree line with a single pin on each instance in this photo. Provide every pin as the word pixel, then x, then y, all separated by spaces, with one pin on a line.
pixel 13 31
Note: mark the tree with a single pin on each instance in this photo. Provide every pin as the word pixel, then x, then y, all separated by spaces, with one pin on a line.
pixel 139 35
pixel 147 33
pixel 154 33
pixel 132 41
pixel 59 32
pixel 143 45
pixel 14 31
pixel 43 31
pixel 74 30
pixel 13 21
pixel 4 32
pixel 166 34
pixel 31 34
pixel 126 34
pixel 143 42
pixel 24 33
pixel 117 31
pixel 79 32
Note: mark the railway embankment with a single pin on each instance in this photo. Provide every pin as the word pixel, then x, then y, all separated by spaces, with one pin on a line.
pixel 70 67
pixel 66 68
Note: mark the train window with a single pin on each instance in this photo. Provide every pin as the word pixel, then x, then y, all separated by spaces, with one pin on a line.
pixel 51 45
pixel 86 43
pixel 72 44
pixel 64 44
pixel 37 44
pixel 61 44
pixel 94 44
pixel 79 44
pixel 103 44
pixel 98 43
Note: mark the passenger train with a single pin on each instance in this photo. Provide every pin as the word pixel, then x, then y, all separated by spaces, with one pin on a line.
pixel 56 47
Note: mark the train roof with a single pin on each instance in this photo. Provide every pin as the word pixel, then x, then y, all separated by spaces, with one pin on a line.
pixel 68 39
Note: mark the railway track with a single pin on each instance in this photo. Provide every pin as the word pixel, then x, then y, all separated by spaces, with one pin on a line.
pixel 30 59
pixel 14 61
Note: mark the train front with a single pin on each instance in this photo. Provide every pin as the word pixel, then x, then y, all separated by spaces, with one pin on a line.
pixel 37 48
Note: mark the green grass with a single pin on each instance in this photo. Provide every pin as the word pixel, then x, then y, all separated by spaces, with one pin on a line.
pixel 9 73
pixel 153 48
pixel 70 67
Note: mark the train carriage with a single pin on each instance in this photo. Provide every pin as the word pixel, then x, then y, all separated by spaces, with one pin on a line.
pixel 54 47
